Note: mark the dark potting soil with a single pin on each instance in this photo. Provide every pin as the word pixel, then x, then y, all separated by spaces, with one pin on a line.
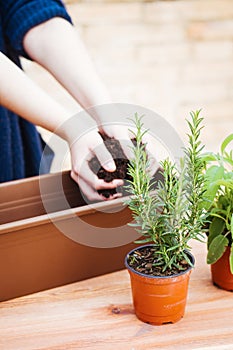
pixel 121 162
pixel 144 261
pixel 114 147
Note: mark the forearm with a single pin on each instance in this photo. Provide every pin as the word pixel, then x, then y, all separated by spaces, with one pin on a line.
pixel 56 46
pixel 19 94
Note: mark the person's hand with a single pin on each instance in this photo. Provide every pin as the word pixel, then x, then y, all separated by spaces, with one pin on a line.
pixel 124 136
pixel 117 121
pixel 85 142
pixel 82 150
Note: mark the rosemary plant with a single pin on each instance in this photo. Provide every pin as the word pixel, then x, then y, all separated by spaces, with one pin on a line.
pixel 172 214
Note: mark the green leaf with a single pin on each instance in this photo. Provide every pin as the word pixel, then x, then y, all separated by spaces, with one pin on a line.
pixel 231 260
pixel 217 226
pixel 227 183
pixel 229 175
pixel 186 257
pixel 213 174
pixel 209 157
pixel 225 143
pixel 228 158
pixel 216 249
pixel 141 241
pixel 232 226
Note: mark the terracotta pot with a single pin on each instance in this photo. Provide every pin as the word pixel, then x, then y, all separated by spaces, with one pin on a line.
pixel 158 300
pixel 221 274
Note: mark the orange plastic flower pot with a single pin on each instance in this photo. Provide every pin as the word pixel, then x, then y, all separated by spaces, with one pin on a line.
pixel 158 300
pixel 220 271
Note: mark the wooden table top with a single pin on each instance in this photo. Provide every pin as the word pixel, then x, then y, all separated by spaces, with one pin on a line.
pixel 97 314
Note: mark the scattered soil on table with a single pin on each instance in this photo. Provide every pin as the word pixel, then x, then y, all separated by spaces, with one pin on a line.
pixel 144 261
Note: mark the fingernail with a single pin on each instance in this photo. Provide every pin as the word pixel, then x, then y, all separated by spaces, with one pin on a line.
pixel 117 195
pixel 118 182
pixel 110 166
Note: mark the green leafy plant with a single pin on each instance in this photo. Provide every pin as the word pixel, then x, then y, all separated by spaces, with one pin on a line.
pixel 171 215
pixel 219 201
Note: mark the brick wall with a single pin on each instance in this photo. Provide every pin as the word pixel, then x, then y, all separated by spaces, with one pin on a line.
pixel 171 56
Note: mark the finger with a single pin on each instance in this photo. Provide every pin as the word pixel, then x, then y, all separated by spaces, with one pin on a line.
pixel 86 189
pixel 116 195
pixel 104 157
pixel 91 193
pixel 127 146
pixel 96 148
pixel 92 179
pixel 84 171
pixel 102 185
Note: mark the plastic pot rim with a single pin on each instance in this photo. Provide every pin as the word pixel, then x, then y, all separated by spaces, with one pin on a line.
pixel 153 276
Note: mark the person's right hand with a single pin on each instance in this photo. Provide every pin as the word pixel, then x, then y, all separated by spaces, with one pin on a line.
pixel 82 150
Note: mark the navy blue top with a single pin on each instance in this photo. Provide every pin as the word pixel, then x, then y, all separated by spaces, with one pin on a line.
pixel 20 144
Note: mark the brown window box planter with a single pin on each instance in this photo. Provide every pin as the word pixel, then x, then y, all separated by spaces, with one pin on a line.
pixel 35 255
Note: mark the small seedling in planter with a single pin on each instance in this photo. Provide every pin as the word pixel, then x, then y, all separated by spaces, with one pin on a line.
pixel 219 204
pixel 167 218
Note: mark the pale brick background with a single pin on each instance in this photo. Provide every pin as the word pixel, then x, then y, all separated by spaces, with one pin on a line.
pixel 170 56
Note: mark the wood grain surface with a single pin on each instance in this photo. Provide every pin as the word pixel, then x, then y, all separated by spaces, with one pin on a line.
pixel 97 314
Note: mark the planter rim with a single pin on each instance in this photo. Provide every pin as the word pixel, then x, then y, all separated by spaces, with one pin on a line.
pixel 152 276
pixel 59 215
